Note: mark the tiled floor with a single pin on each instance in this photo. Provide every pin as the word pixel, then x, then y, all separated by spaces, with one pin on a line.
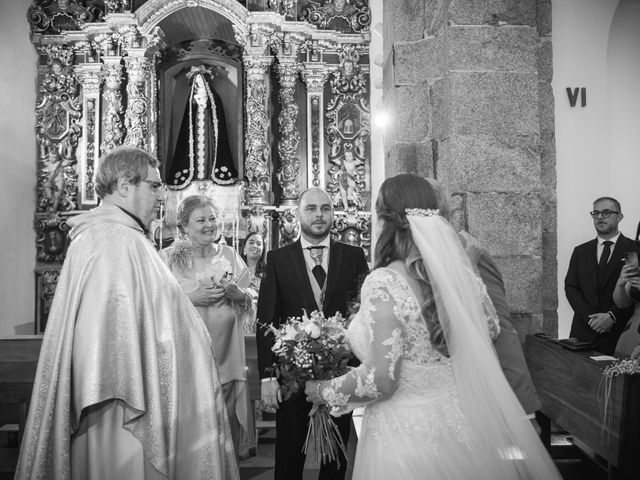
pixel 260 467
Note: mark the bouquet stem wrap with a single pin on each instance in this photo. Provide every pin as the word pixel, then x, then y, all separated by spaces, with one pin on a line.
pixel 327 441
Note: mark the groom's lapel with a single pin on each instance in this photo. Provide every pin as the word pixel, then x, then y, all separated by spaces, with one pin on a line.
pixel 300 269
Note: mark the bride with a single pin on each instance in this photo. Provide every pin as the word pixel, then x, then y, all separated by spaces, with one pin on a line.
pixel 437 403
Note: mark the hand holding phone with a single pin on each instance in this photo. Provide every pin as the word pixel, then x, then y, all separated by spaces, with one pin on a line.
pixel 631 259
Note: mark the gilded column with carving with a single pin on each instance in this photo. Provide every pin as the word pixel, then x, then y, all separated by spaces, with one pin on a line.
pixel 258 152
pixel 90 76
pixel 113 133
pixel 136 115
pixel 315 75
pixel 289 135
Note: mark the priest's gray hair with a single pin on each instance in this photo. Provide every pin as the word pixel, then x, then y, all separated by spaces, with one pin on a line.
pixel 122 162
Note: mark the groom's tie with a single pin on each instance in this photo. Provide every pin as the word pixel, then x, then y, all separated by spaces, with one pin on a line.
pixel 318 271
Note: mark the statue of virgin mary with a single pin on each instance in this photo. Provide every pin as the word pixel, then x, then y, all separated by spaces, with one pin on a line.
pixel 202 148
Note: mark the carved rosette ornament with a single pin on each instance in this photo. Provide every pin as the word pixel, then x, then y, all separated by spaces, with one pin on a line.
pixel 258 155
pixel 135 118
pixel 58 114
pixel 348 131
pixel 289 135
pixel 346 16
pixel 113 126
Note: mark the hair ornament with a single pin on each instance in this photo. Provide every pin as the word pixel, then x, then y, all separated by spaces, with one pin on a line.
pixel 421 212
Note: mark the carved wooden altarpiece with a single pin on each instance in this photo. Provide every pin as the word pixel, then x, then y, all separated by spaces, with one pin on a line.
pixel 293 79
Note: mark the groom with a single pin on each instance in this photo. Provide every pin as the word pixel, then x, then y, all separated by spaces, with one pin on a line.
pixel 313 273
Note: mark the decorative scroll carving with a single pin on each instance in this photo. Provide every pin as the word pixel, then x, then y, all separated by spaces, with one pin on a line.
pixel 90 77
pixel 202 47
pixel 353 227
pixel 135 118
pixel 289 135
pixel 51 17
pixel 113 132
pixel 58 113
pixel 258 156
pixel 347 132
pixel 315 76
pixel 46 282
pixel 51 238
pixel 288 226
pixel 347 16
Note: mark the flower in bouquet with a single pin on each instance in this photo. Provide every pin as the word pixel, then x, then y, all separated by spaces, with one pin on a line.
pixel 218 271
pixel 312 347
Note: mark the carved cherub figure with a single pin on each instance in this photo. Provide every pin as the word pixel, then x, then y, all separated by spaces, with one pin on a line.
pixel 347 180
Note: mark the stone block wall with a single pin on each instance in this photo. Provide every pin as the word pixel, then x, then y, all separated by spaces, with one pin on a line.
pixel 469 86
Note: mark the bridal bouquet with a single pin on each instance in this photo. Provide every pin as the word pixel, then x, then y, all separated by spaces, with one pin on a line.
pixel 312 347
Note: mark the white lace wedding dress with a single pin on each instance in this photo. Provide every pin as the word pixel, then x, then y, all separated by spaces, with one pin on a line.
pixel 419 431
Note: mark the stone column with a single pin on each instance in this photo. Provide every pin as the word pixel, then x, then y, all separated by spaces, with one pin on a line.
pixel 469 91
pixel 315 75
pixel 257 149
pixel 289 135
pixel 136 116
pixel 113 126
pixel 90 77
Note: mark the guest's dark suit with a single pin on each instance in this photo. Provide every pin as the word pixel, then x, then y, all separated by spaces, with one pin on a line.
pixel 284 292
pixel 588 296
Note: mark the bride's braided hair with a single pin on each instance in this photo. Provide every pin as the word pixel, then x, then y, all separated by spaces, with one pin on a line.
pixel 395 241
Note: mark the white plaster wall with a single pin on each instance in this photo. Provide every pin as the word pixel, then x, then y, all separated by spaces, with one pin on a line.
pixel 598 145
pixel 18 169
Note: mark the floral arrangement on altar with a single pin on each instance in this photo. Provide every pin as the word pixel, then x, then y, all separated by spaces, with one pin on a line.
pixel 619 367
pixel 312 347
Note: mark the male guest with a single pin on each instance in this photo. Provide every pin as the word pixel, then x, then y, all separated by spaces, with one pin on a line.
pixel 127 385
pixel 593 271
pixel 313 273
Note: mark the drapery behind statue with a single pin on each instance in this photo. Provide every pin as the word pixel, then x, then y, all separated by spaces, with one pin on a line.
pixel 201 148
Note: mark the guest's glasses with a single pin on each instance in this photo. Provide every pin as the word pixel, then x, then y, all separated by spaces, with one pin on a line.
pixel 603 213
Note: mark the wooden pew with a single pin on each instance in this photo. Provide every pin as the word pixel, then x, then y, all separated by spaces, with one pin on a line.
pixel 18 362
pixel 569 386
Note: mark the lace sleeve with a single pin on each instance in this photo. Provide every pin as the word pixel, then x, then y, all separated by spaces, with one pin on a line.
pixel 376 377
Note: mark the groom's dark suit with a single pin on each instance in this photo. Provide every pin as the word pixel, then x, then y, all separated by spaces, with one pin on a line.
pixel 588 295
pixel 285 291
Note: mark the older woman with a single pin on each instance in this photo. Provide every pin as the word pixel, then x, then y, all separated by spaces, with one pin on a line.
pixel 216 280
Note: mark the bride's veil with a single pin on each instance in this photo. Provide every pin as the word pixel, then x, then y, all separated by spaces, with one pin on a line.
pixel 511 447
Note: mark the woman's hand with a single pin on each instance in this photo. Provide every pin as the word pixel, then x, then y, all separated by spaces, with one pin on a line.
pixel 629 273
pixel 233 292
pixel 207 295
pixel 636 352
pixel 312 391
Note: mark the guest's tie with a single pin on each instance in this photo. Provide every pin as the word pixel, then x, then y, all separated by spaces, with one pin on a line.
pixel 604 258
pixel 318 271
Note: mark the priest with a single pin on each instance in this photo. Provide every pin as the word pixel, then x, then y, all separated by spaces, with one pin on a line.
pixel 127 386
